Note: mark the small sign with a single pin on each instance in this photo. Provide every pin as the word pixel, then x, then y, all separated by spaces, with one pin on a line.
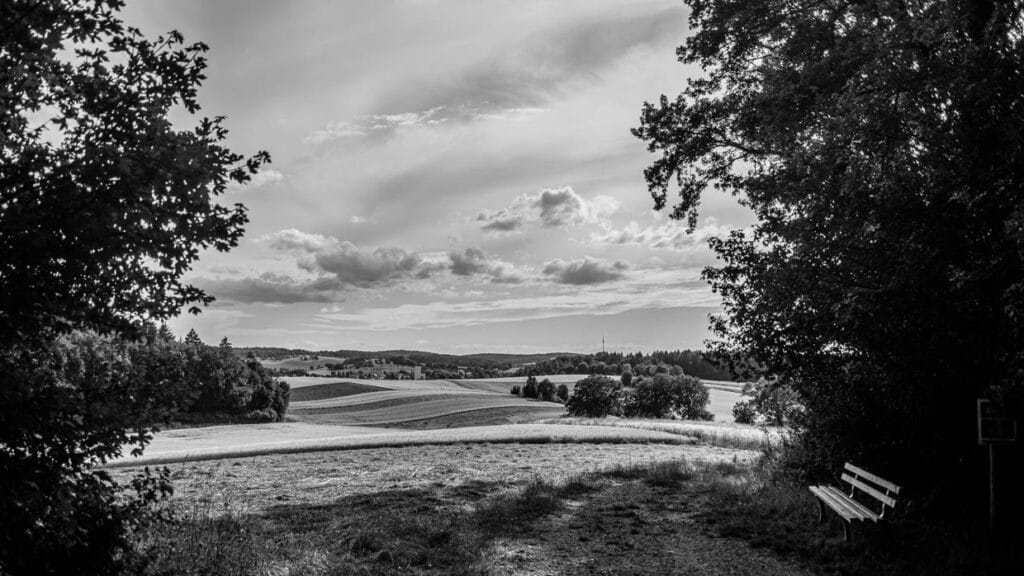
pixel 994 427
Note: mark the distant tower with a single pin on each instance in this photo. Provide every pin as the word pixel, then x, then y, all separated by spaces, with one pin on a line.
pixel 602 344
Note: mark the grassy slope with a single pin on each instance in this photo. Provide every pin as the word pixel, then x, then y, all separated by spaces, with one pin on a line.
pixel 217 443
pixel 517 509
pixel 453 510
pixel 331 390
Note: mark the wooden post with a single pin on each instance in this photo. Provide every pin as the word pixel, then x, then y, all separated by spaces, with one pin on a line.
pixel 991 486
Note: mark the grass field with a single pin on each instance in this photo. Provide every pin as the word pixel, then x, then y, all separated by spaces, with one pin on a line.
pixel 462 509
pixel 343 414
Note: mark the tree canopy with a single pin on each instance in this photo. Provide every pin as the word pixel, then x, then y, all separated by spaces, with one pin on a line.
pixel 104 205
pixel 880 145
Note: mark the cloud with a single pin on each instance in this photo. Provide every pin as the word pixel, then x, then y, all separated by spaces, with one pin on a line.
pixel 354 267
pixel 501 221
pixel 296 240
pixel 671 235
pixel 528 70
pixel 272 288
pixel 376 125
pixel 585 271
pixel 257 180
pixel 474 262
pixel 551 207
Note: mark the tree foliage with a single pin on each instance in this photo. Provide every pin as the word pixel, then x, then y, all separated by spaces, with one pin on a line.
pixel 880 145
pixel 595 397
pixel 666 396
pixel 104 205
pixel 546 390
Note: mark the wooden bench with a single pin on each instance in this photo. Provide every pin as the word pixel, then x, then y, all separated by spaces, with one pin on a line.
pixel 844 504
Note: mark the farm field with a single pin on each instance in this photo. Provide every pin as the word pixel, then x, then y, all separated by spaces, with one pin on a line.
pixel 335 414
pixel 296 362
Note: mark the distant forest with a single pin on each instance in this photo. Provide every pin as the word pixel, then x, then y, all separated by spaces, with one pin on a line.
pixel 692 362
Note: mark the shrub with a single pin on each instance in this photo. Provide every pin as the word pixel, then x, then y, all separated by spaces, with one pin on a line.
pixel 562 393
pixel 264 415
pixel 516 390
pixel 546 390
pixel 595 397
pixel 530 390
pixel 627 378
pixel 773 401
pixel 743 412
pixel 669 396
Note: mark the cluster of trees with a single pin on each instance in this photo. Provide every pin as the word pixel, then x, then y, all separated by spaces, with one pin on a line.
pixel 544 390
pixel 691 362
pixel 661 396
pixel 879 145
pixel 215 382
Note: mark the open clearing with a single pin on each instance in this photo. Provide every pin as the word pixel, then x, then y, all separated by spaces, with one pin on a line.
pixel 509 509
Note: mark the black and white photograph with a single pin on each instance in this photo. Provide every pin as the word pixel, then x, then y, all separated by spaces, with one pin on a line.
pixel 511 287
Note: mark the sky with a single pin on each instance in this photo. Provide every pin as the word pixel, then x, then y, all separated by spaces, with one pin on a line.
pixel 453 176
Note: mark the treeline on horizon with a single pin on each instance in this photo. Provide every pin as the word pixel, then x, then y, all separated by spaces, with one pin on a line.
pixel 693 362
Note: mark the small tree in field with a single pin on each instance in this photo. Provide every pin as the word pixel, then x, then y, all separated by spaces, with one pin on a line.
pixel 562 393
pixel 516 390
pixel 595 397
pixel 546 390
pixel 530 390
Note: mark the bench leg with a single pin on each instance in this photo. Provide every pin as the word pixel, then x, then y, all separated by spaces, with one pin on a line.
pixel 821 511
pixel 846 531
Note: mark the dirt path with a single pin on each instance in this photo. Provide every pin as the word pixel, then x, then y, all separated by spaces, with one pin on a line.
pixel 629 527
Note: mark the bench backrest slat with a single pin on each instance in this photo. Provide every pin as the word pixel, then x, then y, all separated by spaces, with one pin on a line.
pixel 881 497
pixel 869 476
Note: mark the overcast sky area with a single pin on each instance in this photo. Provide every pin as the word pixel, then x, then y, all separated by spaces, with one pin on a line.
pixel 451 175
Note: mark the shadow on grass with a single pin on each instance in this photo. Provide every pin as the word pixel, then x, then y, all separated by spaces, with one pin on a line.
pixel 441 529
pixel 784 519
pixel 454 530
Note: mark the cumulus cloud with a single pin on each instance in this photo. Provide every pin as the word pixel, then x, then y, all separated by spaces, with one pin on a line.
pixel 271 288
pixel 501 221
pixel 353 266
pixel 296 240
pixel 551 207
pixel 585 270
pixel 671 235
pixel 475 262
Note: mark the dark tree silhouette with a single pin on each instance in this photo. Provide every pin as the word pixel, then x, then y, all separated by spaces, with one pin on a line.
pixel 880 146
pixel 104 205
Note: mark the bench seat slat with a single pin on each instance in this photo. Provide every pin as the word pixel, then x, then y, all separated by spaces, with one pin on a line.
pixel 842 504
pixel 876 479
pixel 869 490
